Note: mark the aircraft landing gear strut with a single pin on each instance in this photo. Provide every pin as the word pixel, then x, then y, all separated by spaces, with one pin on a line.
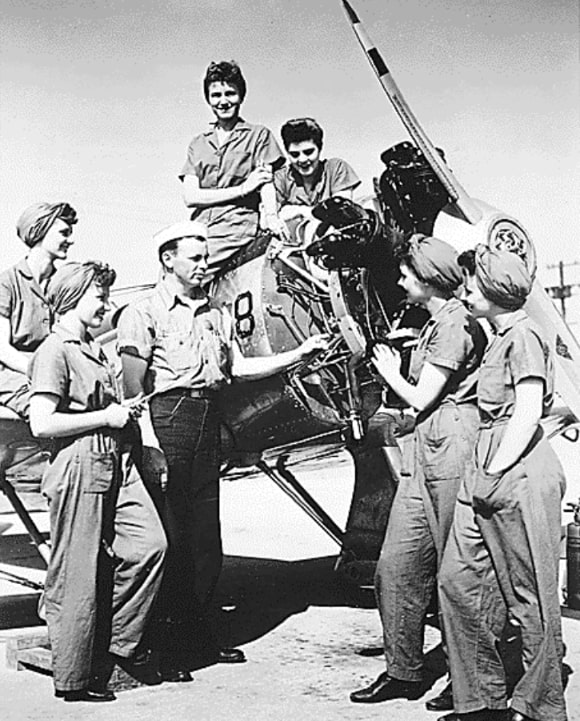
pixel 288 483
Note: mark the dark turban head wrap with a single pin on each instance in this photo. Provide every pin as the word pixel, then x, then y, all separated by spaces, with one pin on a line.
pixel 502 277
pixel 434 262
pixel 37 220
pixel 71 281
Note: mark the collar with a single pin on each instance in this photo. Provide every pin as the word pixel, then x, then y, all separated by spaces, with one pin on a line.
pixel 515 317
pixel 171 299
pixel 91 349
pixel 448 307
pixel 299 180
pixel 241 125
pixel 23 268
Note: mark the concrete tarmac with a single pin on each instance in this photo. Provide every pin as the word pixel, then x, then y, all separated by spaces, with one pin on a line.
pixel 299 626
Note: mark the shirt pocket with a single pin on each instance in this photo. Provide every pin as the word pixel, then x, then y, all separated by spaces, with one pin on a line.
pixel 236 166
pixel 181 349
pixel 491 386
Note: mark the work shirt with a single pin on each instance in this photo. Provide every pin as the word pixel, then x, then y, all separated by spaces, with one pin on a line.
pixel 23 302
pixel 451 339
pixel 333 176
pixel 234 224
pixel 79 373
pixel 186 342
pixel 516 353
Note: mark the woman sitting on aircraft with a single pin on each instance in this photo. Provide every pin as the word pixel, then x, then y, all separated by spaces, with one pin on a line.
pixel 441 388
pixel 108 544
pixel 25 314
pixel 503 550
pixel 228 168
pixel 308 179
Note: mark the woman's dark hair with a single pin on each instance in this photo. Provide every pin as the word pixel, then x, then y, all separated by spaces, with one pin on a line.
pixel 104 276
pixel 467 260
pixel 300 130
pixel 224 72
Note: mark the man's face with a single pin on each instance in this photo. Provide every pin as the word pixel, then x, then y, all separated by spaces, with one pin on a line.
pixel 58 240
pixel 188 262
pixel 304 157
pixel 225 101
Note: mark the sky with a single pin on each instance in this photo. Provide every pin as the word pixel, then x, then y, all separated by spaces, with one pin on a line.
pixel 100 98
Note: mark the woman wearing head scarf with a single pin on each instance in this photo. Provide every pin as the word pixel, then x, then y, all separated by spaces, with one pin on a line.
pixel 107 541
pixel 25 314
pixel 503 550
pixel 229 167
pixel 441 388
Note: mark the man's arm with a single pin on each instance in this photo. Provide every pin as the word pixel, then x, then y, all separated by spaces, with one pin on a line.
pixel 134 372
pixel 264 366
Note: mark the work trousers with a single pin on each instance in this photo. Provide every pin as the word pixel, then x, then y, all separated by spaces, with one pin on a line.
pixel 188 432
pixel 106 563
pixel 502 558
pixel 417 531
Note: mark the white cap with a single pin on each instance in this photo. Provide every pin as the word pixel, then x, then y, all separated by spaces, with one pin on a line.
pixel 184 229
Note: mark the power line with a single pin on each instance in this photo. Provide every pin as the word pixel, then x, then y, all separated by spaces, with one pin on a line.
pixel 563 290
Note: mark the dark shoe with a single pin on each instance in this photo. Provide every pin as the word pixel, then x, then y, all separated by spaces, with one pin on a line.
pixel 485 714
pixel 385 688
pixel 176 675
pixel 230 655
pixel 517 716
pixel 443 702
pixel 86 694
pixel 370 651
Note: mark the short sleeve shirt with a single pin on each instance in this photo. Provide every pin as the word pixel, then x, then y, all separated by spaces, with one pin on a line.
pixel 451 339
pixel 77 372
pixel 335 176
pixel 23 302
pixel 517 352
pixel 230 225
pixel 187 344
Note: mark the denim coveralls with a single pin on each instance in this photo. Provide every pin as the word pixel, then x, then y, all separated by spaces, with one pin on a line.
pixel 503 549
pixel 422 510
pixel 108 544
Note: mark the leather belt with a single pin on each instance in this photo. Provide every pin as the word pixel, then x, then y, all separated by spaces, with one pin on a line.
pixel 204 393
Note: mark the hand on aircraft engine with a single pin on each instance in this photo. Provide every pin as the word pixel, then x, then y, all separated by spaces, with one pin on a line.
pixel 402 338
pixel 155 466
pixel 386 360
pixel 256 179
pixel 315 344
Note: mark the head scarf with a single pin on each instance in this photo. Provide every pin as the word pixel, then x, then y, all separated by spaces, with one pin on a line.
pixel 435 262
pixel 70 282
pixel 36 221
pixel 502 277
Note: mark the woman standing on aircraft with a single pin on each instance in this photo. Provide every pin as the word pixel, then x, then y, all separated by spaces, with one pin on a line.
pixel 442 389
pixel 227 168
pixel 504 545
pixel 25 314
pixel 107 541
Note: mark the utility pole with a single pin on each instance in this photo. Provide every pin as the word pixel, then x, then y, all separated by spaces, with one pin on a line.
pixel 562 290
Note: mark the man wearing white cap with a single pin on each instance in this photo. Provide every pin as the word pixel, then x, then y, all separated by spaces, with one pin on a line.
pixel 177 344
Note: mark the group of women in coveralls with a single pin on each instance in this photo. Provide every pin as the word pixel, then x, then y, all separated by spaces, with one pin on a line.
pixel 489 522
pixel 485 522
